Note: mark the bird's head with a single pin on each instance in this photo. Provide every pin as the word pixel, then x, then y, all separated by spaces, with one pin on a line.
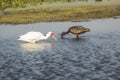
pixel 87 30
pixel 51 34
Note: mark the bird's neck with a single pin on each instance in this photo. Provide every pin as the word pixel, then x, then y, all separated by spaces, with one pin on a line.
pixel 66 32
pixel 45 37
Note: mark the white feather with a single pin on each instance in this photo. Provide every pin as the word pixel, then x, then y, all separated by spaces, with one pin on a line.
pixel 33 36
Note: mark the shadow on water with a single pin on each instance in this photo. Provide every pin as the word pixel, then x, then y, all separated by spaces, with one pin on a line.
pixel 95 56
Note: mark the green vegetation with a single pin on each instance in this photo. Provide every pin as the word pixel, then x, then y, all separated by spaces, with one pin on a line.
pixel 4 4
pixel 74 11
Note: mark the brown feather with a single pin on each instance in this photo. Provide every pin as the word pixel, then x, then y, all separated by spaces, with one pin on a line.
pixel 77 30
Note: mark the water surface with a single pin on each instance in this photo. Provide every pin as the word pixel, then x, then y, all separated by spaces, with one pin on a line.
pixel 96 56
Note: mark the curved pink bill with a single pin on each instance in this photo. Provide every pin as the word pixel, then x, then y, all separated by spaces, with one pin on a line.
pixel 53 36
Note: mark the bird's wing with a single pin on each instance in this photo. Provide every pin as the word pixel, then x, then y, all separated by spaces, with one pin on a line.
pixel 33 35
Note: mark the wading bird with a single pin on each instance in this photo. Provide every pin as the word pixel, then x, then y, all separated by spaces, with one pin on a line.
pixel 77 30
pixel 34 36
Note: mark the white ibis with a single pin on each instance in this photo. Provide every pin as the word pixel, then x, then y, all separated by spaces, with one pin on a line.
pixel 34 36
pixel 77 30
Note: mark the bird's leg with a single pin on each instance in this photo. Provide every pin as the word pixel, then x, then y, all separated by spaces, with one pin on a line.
pixel 77 37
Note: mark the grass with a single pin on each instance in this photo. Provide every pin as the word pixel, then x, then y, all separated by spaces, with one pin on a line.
pixel 66 13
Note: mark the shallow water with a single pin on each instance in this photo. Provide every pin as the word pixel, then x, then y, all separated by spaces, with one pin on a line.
pixel 96 56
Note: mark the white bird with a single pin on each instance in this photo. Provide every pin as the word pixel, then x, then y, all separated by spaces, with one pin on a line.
pixel 34 36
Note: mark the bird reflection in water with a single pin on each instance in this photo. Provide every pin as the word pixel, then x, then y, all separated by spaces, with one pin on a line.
pixel 32 47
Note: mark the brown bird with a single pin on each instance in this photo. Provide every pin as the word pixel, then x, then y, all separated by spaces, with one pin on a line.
pixel 77 30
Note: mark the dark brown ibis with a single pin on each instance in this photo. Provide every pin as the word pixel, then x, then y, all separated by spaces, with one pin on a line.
pixel 77 30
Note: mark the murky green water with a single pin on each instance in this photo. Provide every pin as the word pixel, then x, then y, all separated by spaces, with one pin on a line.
pixel 96 56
